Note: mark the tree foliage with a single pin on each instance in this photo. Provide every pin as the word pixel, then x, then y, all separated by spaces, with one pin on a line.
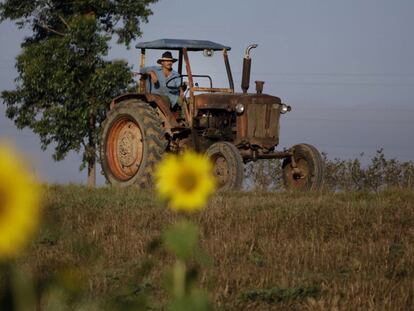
pixel 64 81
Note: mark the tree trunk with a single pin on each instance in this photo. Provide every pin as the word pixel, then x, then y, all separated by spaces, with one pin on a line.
pixel 92 173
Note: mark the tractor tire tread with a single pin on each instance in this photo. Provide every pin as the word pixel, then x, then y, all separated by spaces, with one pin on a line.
pixel 153 134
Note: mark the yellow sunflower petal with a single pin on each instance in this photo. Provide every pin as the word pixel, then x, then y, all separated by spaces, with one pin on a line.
pixel 186 180
pixel 19 204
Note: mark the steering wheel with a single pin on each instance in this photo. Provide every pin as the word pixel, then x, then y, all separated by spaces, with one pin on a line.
pixel 181 84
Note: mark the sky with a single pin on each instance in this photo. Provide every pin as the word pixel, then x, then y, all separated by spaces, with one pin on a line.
pixel 345 66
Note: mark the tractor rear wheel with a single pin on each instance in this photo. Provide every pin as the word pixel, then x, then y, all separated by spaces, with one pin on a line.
pixel 228 167
pixel 132 142
pixel 308 173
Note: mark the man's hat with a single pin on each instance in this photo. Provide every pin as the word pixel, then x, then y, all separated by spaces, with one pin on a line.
pixel 166 56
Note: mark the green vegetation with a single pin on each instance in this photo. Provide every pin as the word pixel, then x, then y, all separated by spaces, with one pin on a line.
pixel 342 175
pixel 65 82
pixel 266 250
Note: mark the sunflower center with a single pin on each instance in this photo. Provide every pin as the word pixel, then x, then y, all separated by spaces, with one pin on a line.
pixel 187 181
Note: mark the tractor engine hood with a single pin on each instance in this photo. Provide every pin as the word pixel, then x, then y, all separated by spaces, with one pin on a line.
pixel 229 101
pixel 257 116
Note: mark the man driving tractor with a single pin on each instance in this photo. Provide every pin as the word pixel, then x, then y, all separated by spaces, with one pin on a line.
pixel 160 75
pixel 232 128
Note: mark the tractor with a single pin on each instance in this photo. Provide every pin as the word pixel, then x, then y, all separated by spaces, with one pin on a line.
pixel 231 128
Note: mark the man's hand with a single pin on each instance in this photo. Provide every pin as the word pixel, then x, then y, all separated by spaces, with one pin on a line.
pixel 184 86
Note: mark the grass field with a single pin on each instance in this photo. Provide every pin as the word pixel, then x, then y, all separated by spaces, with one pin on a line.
pixel 268 251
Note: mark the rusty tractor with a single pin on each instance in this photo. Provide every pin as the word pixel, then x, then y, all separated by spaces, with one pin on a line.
pixel 231 128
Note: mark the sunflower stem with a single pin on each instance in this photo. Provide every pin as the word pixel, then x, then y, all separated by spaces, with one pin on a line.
pixel 179 273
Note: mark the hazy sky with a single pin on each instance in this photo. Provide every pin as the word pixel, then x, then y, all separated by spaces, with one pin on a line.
pixel 345 66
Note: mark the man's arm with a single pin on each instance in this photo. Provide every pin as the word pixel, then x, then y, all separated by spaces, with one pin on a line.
pixel 151 72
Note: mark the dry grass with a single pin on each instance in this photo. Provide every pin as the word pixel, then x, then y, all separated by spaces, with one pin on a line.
pixel 269 251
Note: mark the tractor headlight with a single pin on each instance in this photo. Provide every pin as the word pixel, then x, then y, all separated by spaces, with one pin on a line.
pixel 284 108
pixel 239 108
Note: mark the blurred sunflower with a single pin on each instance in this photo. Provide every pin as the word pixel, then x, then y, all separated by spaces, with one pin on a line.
pixel 19 204
pixel 186 180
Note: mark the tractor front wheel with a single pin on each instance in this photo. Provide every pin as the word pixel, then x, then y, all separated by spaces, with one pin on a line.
pixel 228 167
pixel 305 172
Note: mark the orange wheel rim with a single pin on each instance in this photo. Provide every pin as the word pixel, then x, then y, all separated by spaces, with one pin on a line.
pixel 299 179
pixel 221 170
pixel 124 148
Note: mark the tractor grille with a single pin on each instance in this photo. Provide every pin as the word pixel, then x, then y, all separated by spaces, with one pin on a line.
pixel 263 120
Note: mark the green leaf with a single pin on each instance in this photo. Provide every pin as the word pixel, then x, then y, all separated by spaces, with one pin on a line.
pixel 181 239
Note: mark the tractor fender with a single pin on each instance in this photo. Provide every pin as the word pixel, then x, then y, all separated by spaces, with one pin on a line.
pixel 164 108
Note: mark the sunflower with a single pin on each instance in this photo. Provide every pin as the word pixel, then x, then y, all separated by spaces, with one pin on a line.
pixel 186 180
pixel 19 204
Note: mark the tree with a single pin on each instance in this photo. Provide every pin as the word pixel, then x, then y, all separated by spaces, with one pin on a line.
pixel 64 82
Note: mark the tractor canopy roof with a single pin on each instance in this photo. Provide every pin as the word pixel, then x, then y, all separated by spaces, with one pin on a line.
pixel 178 44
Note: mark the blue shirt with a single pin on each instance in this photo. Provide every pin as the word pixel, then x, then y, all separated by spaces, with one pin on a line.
pixel 162 89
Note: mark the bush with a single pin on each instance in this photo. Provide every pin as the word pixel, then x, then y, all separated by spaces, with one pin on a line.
pixel 340 175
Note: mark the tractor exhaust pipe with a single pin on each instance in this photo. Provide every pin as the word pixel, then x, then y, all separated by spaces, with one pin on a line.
pixel 247 63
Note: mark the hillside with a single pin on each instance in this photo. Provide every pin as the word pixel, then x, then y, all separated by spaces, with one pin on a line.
pixel 267 251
